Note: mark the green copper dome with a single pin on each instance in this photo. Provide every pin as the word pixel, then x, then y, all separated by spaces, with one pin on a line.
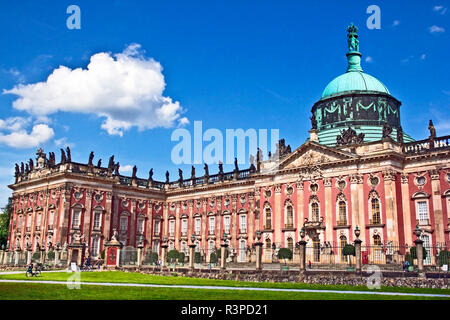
pixel 354 81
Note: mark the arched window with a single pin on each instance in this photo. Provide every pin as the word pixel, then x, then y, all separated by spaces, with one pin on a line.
pixel 289 217
pixel 315 215
pixel 342 213
pixel 97 219
pixel 268 219
pixel 376 214
pixel 378 249
pixel 290 243
pixel 76 217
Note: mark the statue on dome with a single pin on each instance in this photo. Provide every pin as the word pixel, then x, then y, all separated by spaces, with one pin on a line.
pixel 387 130
pixel 400 135
pixel 353 42
pixel 313 122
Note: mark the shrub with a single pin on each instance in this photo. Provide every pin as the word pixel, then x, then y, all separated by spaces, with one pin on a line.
pixel 212 257
pixel 444 257
pixel 218 253
pixel 285 253
pixel 36 255
pixel 102 254
pixel 197 257
pixel 51 255
pixel 181 257
pixel 349 250
pixel 153 257
pixel 413 253
pixel 173 255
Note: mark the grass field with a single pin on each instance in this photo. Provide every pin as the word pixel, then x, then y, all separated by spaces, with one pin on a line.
pixel 55 291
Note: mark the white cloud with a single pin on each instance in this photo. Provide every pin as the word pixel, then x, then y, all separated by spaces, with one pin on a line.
pixel 127 168
pixel 20 138
pixel 369 59
pixel 440 9
pixel 423 56
pixel 395 23
pixel 14 123
pixel 126 89
pixel 62 143
pixel 436 29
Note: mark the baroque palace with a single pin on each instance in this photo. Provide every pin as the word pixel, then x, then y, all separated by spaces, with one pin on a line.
pixel 357 169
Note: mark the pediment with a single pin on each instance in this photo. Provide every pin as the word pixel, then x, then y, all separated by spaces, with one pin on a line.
pixel 311 153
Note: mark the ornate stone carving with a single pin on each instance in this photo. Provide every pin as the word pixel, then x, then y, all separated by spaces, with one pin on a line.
pixel 310 173
pixel 434 174
pixel 348 137
pixel 327 182
pixel 405 178
pixel 389 175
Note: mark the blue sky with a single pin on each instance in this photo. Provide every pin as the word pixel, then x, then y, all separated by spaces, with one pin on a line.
pixel 230 64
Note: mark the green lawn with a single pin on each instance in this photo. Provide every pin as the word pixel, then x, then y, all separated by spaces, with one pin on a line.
pixel 132 277
pixel 36 291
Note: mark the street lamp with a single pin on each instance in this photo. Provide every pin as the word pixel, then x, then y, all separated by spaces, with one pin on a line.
pixel 258 235
pixel 192 239
pixel 224 238
pixel 417 232
pixel 357 232
pixel 302 233
pixel 164 238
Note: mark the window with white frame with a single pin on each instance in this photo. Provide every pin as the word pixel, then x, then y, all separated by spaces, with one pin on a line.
pixel 289 217
pixel 157 227
pixel 51 218
pixel 171 246
pixel 38 220
pixel 422 209
pixel 140 226
pixel 123 223
pixel 171 227
pixel 197 225
pixel 97 219
pixel 226 221
pixel 212 225
pixel 243 223
pixel 19 224
pixel 95 246
pixel 29 221
pixel 76 217
pixel 184 224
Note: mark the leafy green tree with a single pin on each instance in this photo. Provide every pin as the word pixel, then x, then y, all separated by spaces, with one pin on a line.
pixel 153 257
pixel 5 216
pixel 51 255
pixel 285 253
pixel 349 250
pixel 172 256
pixel 181 257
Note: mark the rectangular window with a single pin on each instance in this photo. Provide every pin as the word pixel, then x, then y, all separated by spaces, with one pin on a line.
pixel 123 224
pixel 212 225
pixel 422 208
pixel 197 225
pixel 38 221
pixel 140 226
pixel 184 226
pixel 95 244
pixel 76 218
pixel 243 224
pixel 29 221
pixel 171 227
pixel 227 224
pixel 51 217
pixel 97 219
pixel 157 227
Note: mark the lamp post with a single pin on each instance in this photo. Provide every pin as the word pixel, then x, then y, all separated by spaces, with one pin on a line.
pixel 258 246
pixel 191 253
pixel 358 249
pixel 224 246
pixel 164 251
pixel 302 252
pixel 419 249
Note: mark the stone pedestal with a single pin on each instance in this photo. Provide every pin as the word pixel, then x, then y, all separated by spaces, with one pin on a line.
pixel 358 255
pixel 29 256
pixel 75 253
pixel 302 255
pixel 258 247
pixel 224 247
pixel 313 137
pixel 191 256
pixel 164 255
pixel 139 256
pixel 16 256
pixel 419 254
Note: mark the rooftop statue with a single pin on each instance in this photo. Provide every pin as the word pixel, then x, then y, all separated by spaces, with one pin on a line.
pixel 91 158
pixel 63 157
pixel 206 170
pixel 31 164
pixel 150 175
pixel 400 134
pixel 167 176
pixel 313 122
pixel 353 43
pixel 133 175
pixel 69 156
pixel 193 173
pixel 99 163
pixel 432 130
pixel 387 130
pixel 116 169
pixel 236 168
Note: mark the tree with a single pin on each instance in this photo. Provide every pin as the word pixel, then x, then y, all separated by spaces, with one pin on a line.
pixel 51 255
pixel 197 257
pixel 285 253
pixel 4 222
pixel 181 257
pixel 349 250
pixel 444 258
pixel 219 254
pixel 153 257
pixel 172 256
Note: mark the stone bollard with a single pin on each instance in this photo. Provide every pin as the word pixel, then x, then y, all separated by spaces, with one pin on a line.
pixel 258 247
pixel 224 247
pixel 358 255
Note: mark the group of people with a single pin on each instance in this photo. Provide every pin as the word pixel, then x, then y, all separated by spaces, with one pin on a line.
pixel 88 266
